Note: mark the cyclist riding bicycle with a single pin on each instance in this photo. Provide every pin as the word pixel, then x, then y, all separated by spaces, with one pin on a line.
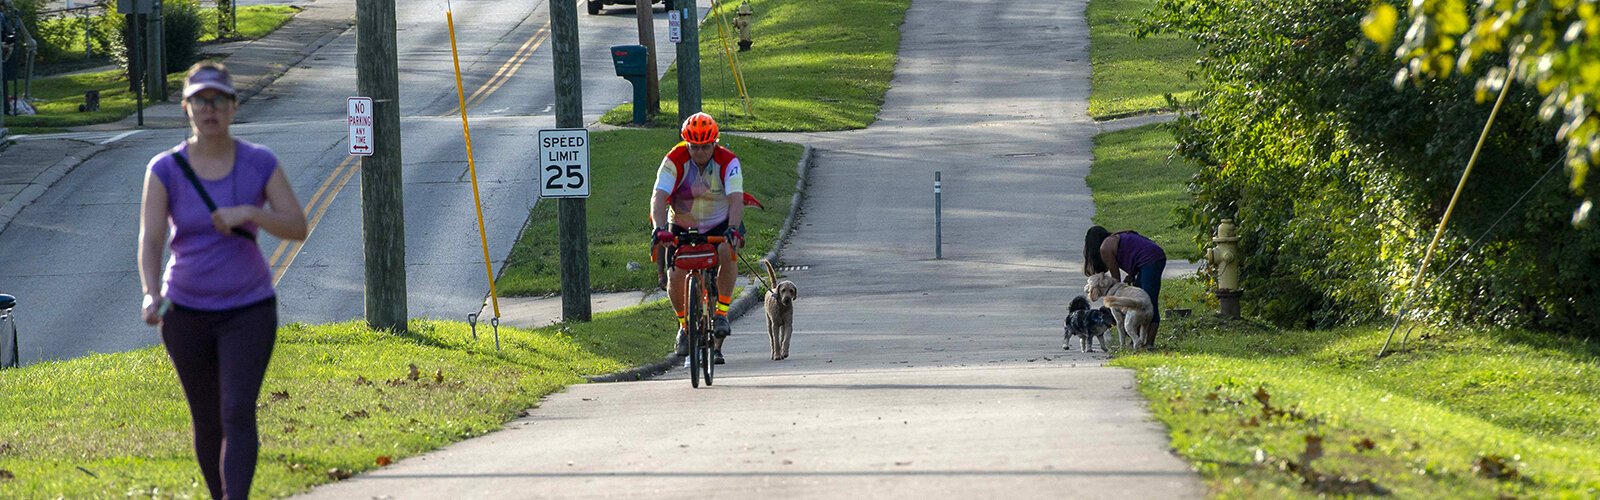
pixel 701 183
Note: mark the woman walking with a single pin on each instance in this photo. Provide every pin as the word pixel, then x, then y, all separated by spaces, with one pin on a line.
pixel 1132 253
pixel 215 305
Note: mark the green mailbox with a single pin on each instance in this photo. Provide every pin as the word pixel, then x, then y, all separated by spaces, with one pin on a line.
pixel 633 64
pixel 631 60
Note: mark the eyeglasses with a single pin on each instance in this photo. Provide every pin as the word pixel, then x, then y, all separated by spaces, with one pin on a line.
pixel 215 102
pixel 702 147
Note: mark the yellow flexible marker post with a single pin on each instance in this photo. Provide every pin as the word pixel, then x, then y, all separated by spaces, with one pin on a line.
pixel 1461 185
pixel 723 33
pixel 466 131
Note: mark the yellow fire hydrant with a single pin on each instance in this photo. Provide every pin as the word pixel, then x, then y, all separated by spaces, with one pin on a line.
pixel 1225 256
pixel 742 23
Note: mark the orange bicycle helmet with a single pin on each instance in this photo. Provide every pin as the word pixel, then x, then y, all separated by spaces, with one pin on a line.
pixel 699 128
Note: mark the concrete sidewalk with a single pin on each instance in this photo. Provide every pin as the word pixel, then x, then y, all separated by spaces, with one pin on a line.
pixel 32 163
pixel 910 377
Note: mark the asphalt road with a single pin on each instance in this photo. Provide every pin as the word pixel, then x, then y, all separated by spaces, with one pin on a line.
pixel 71 253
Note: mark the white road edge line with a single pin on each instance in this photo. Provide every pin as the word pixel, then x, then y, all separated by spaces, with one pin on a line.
pixel 120 136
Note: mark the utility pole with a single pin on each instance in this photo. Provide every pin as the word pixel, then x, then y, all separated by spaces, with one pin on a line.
pixel 689 61
pixel 2 84
pixel 136 65
pixel 156 66
pixel 571 217
pixel 383 230
pixel 647 38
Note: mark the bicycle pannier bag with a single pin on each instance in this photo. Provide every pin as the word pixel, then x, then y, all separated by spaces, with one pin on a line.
pixel 702 256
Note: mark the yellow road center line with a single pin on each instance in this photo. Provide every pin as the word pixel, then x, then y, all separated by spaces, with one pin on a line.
pixel 506 70
pixel 283 245
pixel 513 72
pixel 315 219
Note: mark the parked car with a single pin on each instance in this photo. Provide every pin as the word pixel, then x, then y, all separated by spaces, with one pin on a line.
pixel 596 5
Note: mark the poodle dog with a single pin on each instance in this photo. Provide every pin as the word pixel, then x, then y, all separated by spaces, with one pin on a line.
pixel 780 312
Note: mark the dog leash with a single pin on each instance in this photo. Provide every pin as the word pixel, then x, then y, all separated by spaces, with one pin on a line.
pixel 752 270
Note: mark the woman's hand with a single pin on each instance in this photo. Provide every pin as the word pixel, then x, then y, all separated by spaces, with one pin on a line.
pixel 153 306
pixel 227 218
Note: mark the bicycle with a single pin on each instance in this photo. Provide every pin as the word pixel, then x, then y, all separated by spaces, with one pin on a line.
pixel 697 254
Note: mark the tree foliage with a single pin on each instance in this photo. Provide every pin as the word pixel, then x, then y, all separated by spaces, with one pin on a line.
pixel 1338 180
pixel 1551 45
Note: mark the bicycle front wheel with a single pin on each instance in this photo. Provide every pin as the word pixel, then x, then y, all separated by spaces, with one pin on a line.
pixel 694 328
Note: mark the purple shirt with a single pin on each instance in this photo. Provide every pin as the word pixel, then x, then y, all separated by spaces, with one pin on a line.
pixel 210 270
pixel 1134 251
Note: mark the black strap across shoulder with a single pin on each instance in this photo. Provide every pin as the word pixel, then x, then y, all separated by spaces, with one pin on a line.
pixel 188 172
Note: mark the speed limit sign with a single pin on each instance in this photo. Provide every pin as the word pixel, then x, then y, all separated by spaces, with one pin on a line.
pixel 564 163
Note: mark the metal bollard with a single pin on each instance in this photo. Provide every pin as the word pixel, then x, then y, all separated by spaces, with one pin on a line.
pixel 938 217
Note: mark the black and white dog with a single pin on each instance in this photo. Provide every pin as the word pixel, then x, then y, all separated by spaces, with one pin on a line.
pixel 1089 324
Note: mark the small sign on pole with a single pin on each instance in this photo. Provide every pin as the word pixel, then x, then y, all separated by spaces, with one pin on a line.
pixel 674 26
pixel 360 119
pixel 564 163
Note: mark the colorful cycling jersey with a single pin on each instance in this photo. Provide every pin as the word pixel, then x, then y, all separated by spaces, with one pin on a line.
pixel 700 198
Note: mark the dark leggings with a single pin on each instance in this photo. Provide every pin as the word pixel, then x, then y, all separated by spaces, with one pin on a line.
pixel 221 358
pixel 1150 282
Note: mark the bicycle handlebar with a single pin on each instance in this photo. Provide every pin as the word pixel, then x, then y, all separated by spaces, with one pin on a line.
pixel 687 239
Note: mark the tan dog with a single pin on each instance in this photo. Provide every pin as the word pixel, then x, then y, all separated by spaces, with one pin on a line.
pixel 1130 302
pixel 780 312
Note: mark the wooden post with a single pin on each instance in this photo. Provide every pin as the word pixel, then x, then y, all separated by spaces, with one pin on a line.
pixel 382 203
pixel 156 67
pixel 647 38
pixel 571 217
pixel 689 60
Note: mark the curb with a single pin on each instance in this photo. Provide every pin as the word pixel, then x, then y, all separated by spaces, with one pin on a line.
pixel 42 182
pixel 746 300
pixel 280 68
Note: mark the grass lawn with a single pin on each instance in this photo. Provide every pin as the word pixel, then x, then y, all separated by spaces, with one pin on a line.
pixel 336 397
pixel 814 66
pixel 1466 414
pixel 1137 186
pixel 59 96
pixel 254 21
pixel 1130 74
pixel 624 166
pixel 1266 413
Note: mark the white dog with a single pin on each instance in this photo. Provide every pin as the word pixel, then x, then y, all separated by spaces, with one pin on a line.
pixel 1130 302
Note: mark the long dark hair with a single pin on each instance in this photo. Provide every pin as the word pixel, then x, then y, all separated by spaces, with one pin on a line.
pixel 1092 264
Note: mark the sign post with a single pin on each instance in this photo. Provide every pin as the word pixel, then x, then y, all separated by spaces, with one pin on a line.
pixel 359 112
pixel 564 163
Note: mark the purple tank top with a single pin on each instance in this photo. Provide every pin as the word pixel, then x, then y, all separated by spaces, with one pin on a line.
pixel 213 271
pixel 1134 251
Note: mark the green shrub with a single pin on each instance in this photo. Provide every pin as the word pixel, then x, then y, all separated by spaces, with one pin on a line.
pixel 1338 179
pixel 182 33
pixel 61 38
